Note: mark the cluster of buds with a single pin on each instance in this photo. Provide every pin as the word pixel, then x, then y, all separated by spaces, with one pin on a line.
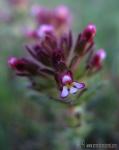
pixel 52 59
pixel 59 18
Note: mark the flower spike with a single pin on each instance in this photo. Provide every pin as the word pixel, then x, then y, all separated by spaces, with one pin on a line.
pixel 54 55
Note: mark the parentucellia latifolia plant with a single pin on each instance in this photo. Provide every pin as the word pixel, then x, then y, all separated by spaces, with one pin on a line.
pixel 60 66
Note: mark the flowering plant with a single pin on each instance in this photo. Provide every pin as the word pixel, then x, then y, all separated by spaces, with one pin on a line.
pixel 60 67
pixel 55 58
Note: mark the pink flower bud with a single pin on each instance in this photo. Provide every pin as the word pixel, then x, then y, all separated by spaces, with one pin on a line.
pixel 42 15
pixel 23 66
pixel 89 32
pixel 85 40
pixel 45 30
pixel 97 60
pixel 16 64
pixel 62 13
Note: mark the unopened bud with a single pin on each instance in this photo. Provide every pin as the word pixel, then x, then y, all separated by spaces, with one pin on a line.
pixel 97 59
pixel 62 13
pixel 85 40
pixel 17 64
pixel 89 32
pixel 45 30
pixel 23 66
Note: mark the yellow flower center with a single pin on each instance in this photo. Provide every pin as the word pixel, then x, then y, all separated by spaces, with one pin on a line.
pixel 69 85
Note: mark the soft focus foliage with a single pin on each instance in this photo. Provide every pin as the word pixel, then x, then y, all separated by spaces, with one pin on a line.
pixel 32 122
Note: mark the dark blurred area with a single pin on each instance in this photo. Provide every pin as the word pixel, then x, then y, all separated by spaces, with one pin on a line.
pixel 29 121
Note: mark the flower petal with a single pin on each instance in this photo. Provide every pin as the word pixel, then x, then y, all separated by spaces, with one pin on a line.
pixel 79 85
pixel 64 92
pixel 66 78
pixel 73 90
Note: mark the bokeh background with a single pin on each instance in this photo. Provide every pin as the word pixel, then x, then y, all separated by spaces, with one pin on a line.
pixel 27 120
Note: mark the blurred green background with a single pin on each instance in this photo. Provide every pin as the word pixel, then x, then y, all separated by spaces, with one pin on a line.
pixel 27 121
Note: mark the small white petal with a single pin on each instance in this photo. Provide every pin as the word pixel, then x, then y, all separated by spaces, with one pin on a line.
pixel 73 90
pixel 64 92
pixel 78 85
pixel 66 78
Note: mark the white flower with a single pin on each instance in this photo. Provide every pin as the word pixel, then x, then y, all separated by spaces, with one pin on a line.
pixel 69 86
